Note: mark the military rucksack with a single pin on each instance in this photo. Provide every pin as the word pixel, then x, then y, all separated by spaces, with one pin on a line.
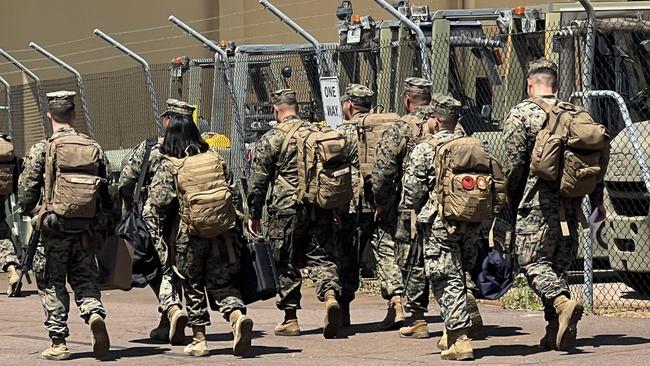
pixel 324 174
pixel 470 185
pixel 7 165
pixel 571 149
pixel 370 128
pixel 71 176
pixel 204 194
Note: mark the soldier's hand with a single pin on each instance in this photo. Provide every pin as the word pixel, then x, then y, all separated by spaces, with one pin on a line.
pixel 380 212
pixel 255 227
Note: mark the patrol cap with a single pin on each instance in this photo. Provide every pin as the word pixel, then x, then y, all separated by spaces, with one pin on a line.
pixel 541 64
pixel 417 86
pixel 61 99
pixel 359 95
pixel 178 107
pixel 284 96
pixel 441 104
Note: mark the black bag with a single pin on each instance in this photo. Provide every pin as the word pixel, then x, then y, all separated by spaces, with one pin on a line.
pixel 146 264
pixel 257 279
pixel 495 268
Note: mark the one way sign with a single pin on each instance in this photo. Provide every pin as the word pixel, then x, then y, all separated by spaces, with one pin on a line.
pixel 329 90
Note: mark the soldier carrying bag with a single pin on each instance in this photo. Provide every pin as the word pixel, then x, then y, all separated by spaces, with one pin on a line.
pixel 7 165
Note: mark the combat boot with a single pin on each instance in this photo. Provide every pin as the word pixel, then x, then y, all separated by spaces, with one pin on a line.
pixel 442 342
pixel 548 342
pixel 569 312
pixel 242 330
pixel 418 329
pixel 177 323
pixel 395 315
pixel 289 327
pixel 58 351
pixel 345 314
pixel 474 316
pixel 13 276
pixel 460 347
pixel 199 346
pixel 161 332
pixel 101 342
pixel 332 316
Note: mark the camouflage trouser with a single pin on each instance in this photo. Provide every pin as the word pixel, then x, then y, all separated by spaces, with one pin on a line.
pixel 544 255
pixel 7 251
pixel 72 256
pixel 205 266
pixel 168 290
pixel 305 238
pixel 350 245
pixel 443 257
pixel 385 247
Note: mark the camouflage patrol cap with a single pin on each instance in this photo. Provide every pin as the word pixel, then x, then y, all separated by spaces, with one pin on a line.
pixel 178 107
pixel 417 86
pixel 541 64
pixel 359 95
pixel 441 104
pixel 283 96
pixel 61 99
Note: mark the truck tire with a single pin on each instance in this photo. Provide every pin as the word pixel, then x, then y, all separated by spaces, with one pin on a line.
pixel 640 282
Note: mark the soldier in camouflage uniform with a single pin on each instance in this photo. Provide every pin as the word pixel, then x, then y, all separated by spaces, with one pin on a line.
pixel 63 255
pixel 299 234
pixel 357 221
pixel 394 226
pixel 543 252
pixel 204 264
pixel 8 259
pixel 167 288
pixel 443 250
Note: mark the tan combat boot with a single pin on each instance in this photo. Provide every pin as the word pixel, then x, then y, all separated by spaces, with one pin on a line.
pixel 395 315
pixel 442 342
pixel 332 316
pixel 548 342
pixel 199 346
pixel 418 329
pixel 177 323
pixel 460 347
pixel 242 330
pixel 569 312
pixel 289 327
pixel 474 316
pixel 161 332
pixel 58 351
pixel 13 276
pixel 101 342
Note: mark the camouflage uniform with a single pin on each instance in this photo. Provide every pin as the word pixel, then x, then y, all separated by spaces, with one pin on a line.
pixel 300 235
pixel 8 255
pixel 443 252
pixel 61 255
pixel 203 263
pixel 394 231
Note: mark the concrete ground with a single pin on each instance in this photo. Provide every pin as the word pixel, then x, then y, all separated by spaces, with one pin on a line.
pixel 511 337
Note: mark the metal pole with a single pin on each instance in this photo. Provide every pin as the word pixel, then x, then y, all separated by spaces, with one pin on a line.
pixel 80 84
pixel 590 49
pixel 7 107
pixel 39 90
pixel 422 40
pixel 323 68
pixel 147 74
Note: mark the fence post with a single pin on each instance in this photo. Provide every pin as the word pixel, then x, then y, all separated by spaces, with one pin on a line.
pixel 590 49
pixel 7 106
pixel 422 40
pixel 39 90
pixel 147 74
pixel 80 83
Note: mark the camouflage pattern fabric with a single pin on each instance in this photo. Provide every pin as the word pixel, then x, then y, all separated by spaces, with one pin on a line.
pixel 61 256
pixel 7 251
pixel 541 64
pixel 202 262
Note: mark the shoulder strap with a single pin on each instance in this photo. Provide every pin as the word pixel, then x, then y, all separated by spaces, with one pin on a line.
pixel 144 169
pixel 287 138
pixel 547 108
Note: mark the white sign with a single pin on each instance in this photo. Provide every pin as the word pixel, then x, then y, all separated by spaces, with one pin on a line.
pixel 354 35
pixel 329 91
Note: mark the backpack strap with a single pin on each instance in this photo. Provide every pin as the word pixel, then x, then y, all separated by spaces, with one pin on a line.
pixel 547 108
pixel 144 169
pixel 290 130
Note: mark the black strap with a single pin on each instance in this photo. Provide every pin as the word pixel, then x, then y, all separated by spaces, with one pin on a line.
pixel 144 169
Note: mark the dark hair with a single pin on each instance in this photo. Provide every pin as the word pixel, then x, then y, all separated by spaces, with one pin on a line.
pixel 361 108
pixel 62 114
pixel 447 120
pixel 182 133
pixel 545 76
pixel 418 97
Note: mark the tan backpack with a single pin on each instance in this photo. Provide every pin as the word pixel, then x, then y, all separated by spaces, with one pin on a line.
pixel 570 149
pixel 324 174
pixel 470 185
pixel 7 165
pixel 370 128
pixel 204 194
pixel 71 176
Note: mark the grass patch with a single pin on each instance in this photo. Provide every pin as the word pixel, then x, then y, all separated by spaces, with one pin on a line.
pixel 521 296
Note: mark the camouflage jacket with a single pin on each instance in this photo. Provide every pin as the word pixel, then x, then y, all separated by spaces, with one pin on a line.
pixel 31 181
pixel 362 189
pixel 132 165
pixel 390 162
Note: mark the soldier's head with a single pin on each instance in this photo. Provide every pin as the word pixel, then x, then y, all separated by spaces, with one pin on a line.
pixel 61 107
pixel 182 137
pixel 357 99
pixel 176 107
pixel 285 104
pixel 417 93
pixel 542 78
pixel 441 114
